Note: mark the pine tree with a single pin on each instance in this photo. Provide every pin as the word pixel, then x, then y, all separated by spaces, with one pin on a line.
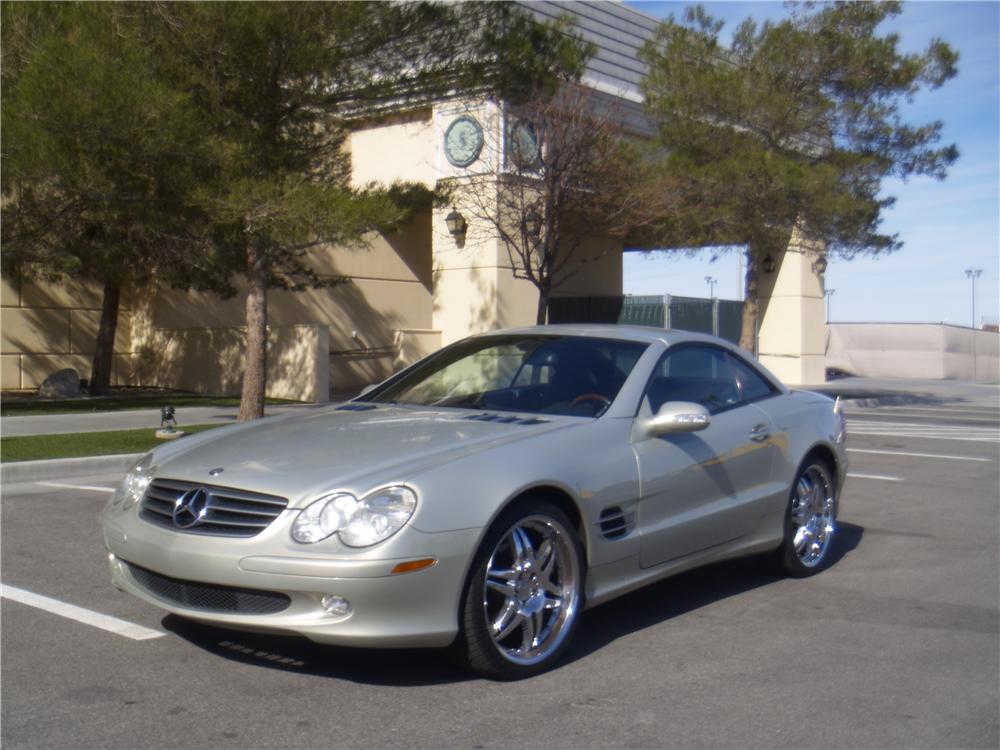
pixel 795 125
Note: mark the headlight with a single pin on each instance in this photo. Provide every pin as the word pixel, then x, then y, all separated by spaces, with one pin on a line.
pixel 360 523
pixel 133 487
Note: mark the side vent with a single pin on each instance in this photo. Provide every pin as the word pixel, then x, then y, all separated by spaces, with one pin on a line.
pixel 616 523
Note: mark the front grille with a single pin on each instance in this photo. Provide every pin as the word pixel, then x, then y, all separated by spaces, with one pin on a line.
pixel 209 597
pixel 221 511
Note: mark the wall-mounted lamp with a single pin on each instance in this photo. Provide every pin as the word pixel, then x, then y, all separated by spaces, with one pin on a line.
pixel 456 224
pixel 768 264
pixel 819 265
pixel 532 223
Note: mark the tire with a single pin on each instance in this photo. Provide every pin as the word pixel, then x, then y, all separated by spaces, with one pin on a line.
pixel 523 596
pixel 810 521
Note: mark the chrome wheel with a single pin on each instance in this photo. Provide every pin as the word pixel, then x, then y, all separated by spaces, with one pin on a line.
pixel 531 592
pixel 813 513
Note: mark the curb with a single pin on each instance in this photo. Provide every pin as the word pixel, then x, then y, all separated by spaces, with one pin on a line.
pixel 63 468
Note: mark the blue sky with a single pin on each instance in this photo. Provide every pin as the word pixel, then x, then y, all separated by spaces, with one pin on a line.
pixel 946 226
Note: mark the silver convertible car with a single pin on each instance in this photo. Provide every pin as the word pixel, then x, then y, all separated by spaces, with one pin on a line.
pixel 481 499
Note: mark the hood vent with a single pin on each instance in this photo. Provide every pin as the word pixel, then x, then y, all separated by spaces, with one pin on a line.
pixel 616 523
pixel 355 407
pixel 505 419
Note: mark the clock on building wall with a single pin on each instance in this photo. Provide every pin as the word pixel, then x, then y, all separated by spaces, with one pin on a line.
pixel 523 143
pixel 463 140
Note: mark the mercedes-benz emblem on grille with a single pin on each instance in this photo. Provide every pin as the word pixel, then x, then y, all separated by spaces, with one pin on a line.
pixel 191 508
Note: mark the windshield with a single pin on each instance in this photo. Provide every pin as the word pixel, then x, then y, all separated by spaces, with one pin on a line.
pixel 537 374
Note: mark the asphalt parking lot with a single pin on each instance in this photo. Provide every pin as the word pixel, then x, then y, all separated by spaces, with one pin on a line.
pixel 895 646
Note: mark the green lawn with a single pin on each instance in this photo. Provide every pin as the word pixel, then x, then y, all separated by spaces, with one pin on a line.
pixel 25 407
pixel 41 447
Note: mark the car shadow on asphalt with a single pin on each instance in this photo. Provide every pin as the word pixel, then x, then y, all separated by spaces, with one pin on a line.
pixel 395 667
pixel 688 592
pixel 599 627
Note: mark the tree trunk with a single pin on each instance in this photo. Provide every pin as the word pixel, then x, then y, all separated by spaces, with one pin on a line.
pixel 748 323
pixel 104 349
pixel 255 374
pixel 543 307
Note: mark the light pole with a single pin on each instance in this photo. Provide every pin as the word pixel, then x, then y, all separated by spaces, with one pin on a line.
pixel 974 273
pixel 829 294
pixel 712 281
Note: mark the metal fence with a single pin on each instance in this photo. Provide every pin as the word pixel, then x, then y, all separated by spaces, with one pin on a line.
pixel 717 316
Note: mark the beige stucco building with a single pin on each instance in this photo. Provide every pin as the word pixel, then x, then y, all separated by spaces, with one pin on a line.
pixel 407 294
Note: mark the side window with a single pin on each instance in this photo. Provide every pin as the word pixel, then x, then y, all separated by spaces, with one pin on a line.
pixel 751 384
pixel 702 374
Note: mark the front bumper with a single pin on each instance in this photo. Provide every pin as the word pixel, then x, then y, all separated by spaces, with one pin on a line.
pixel 402 610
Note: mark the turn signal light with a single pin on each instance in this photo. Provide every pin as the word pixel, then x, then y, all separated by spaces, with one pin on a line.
pixel 412 565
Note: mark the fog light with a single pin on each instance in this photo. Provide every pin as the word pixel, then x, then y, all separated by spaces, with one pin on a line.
pixel 337 606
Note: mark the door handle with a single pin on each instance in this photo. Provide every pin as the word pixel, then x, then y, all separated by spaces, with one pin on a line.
pixel 760 433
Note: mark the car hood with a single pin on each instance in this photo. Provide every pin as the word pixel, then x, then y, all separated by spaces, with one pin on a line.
pixel 351 447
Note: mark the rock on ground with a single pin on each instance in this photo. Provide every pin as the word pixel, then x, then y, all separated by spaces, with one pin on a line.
pixel 61 384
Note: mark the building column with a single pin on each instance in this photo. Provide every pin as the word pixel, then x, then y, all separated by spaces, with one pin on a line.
pixel 792 336
pixel 474 287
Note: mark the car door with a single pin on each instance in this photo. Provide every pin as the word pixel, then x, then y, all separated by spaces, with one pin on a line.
pixel 701 489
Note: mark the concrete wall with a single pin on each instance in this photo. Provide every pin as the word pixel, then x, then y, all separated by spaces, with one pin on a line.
pixel 377 320
pixel 401 148
pixel 914 350
pixel 599 273
pixel 49 327
pixel 211 360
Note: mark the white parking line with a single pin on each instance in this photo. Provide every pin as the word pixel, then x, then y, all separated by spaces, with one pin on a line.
pixel 922 426
pixel 86 616
pixel 879 477
pixel 941 411
pixel 927 436
pixel 966 433
pixel 88 487
pixel 912 414
pixel 919 455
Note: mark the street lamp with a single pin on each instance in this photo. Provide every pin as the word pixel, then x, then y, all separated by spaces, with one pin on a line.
pixel 828 293
pixel 711 281
pixel 973 273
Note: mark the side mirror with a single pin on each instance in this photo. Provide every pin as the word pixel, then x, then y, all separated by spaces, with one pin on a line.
pixel 678 416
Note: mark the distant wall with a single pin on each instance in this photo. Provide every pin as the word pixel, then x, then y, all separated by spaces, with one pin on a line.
pixel 363 366
pixel 377 321
pixel 49 327
pixel 211 360
pixel 914 350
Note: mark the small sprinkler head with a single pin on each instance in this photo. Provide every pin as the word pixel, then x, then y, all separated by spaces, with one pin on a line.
pixel 167 420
